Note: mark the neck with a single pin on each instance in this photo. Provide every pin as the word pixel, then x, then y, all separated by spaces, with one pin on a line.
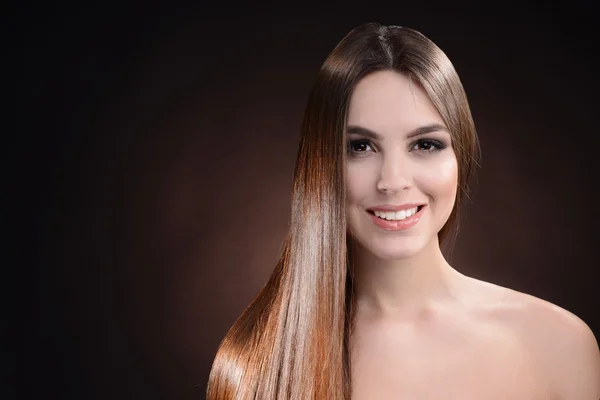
pixel 408 288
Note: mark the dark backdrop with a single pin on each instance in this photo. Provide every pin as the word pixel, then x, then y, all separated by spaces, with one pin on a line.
pixel 154 155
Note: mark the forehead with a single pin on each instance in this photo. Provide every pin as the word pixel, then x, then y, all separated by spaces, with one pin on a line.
pixel 387 101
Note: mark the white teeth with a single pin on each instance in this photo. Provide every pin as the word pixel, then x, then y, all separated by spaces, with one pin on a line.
pixel 397 215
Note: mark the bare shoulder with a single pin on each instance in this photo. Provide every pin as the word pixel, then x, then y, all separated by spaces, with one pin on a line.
pixel 562 343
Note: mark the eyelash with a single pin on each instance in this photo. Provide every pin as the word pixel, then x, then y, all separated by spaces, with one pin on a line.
pixel 436 145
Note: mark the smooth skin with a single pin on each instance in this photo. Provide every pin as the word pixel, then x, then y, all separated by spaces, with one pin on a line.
pixel 422 329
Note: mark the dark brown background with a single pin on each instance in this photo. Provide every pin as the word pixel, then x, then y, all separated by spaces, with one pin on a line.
pixel 154 163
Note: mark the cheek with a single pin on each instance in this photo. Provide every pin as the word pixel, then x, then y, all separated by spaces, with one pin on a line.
pixel 441 179
pixel 357 183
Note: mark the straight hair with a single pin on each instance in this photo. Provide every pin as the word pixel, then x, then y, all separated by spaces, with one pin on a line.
pixel 292 341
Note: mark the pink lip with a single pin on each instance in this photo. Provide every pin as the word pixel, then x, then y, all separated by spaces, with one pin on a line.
pixel 390 207
pixel 398 225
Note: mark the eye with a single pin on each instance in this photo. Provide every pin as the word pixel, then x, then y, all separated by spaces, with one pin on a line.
pixel 428 145
pixel 359 146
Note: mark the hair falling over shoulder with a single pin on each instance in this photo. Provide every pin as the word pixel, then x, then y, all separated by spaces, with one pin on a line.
pixel 292 341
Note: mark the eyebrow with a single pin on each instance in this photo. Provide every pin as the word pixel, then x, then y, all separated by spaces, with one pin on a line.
pixel 422 130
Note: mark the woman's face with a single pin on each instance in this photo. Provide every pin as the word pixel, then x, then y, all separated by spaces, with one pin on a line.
pixel 400 163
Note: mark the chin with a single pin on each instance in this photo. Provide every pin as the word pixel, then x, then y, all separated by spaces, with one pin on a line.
pixel 401 248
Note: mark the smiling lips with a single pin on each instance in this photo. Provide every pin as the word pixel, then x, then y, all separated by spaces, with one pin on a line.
pixel 395 218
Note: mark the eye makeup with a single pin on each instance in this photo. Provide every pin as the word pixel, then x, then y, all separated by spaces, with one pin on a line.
pixel 358 147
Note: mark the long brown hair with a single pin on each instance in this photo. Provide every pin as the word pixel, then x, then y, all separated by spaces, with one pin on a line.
pixel 292 340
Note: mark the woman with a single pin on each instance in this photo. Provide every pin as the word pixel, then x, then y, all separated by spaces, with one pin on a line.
pixel 362 303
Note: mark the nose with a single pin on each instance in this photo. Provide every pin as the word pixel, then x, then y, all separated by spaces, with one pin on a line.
pixel 394 175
